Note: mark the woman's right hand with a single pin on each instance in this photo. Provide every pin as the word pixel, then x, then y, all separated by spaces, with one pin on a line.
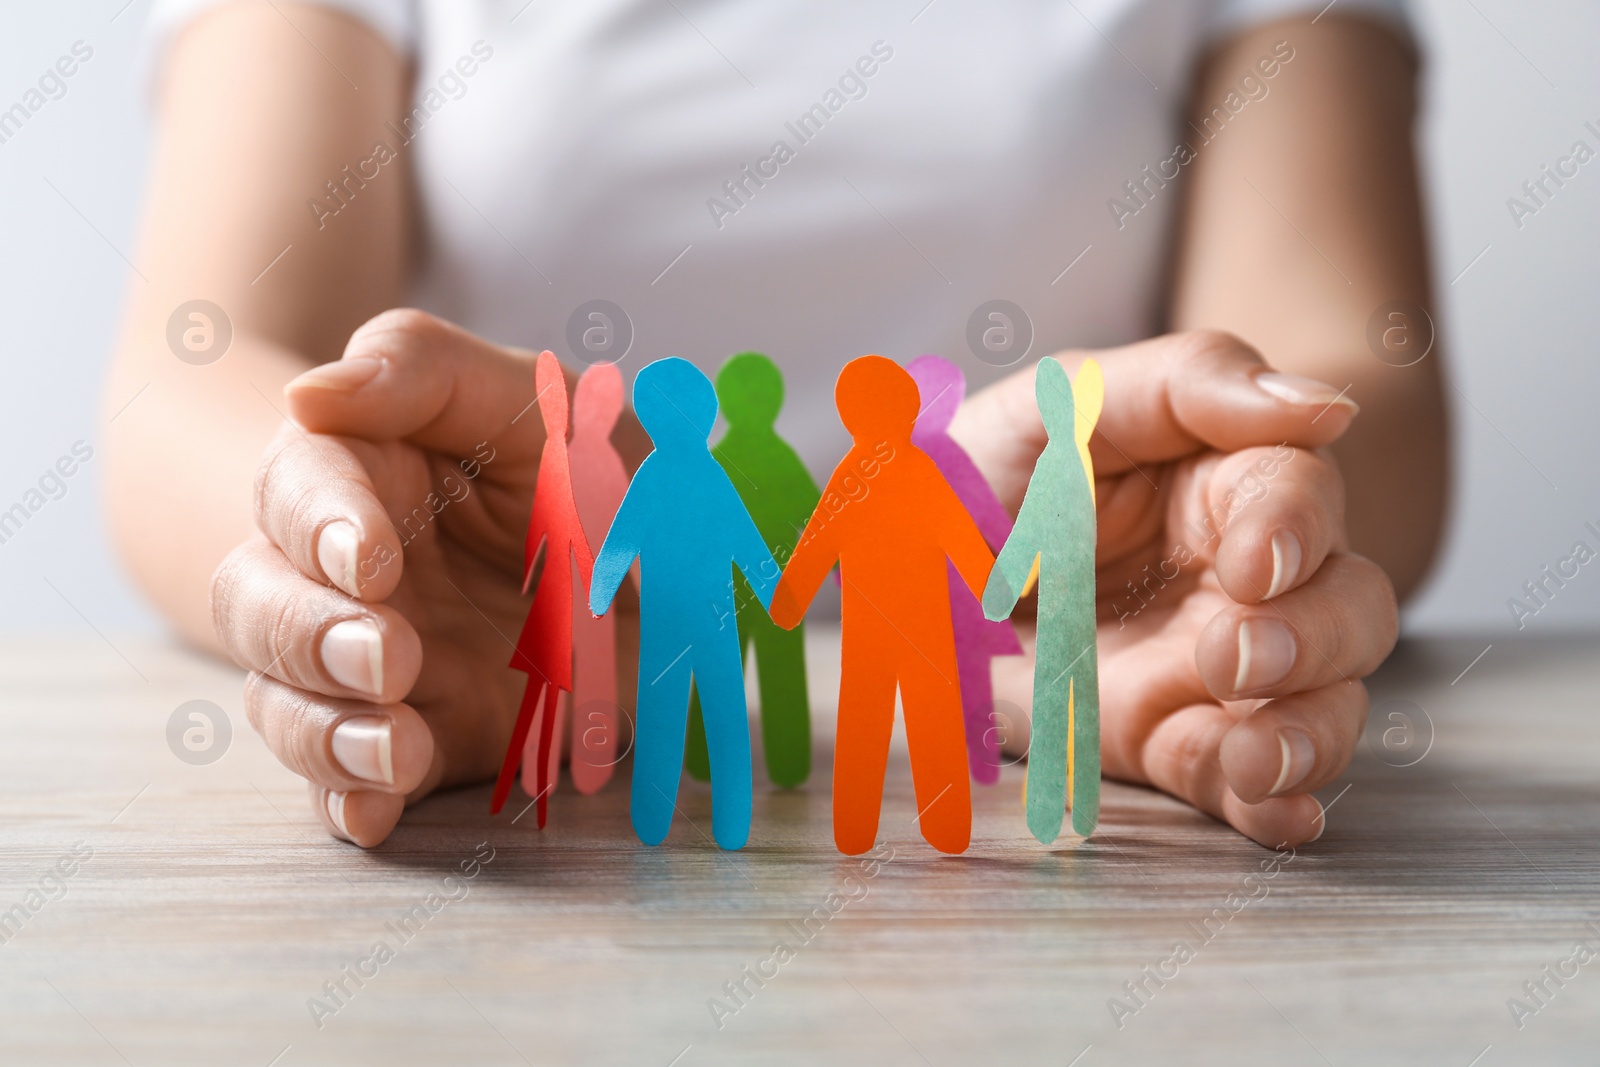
pixel 377 608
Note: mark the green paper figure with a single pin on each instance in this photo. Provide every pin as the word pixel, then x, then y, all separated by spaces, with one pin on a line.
pixel 778 492
pixel 1055 532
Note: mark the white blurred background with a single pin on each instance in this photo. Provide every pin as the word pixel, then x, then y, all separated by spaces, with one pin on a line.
pixel 1509 86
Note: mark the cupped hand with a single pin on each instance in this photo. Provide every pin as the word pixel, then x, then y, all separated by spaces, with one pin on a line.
pixel 377 607
pixel 1235 625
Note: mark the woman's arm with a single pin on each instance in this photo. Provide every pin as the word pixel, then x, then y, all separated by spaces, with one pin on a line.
pixel 259 107
pixel 1303 218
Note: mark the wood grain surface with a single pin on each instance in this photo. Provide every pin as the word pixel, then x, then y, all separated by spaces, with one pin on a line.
pixel 211 908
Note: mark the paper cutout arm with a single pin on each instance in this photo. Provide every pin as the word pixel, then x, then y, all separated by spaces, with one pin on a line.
pixel 617 552
pixel 584 556
pixel 750 553
pixel 986 510
pixel 814 556
pixel 963 542
pixel 533 545
pixel 1009 579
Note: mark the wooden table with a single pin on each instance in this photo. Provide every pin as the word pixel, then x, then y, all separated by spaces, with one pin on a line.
pixel 213 908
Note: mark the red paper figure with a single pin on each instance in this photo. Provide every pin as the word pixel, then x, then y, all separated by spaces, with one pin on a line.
pixel 599 481
pixel 890 520
pixel 544 649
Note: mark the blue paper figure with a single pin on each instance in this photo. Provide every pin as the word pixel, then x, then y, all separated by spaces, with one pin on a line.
pixel 685 522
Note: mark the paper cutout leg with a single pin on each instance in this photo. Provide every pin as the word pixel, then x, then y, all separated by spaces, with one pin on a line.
pixel 552 757
pixel 696 758
pixel 974 653
pixel 1065 668
pixel 594 700
pixel 861 743
pixel 938 755
pixel 719 677
pixel 659 731
pixel 785 703
pixel 526 715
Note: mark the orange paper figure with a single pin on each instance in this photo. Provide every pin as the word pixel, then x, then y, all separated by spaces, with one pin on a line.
pixel 891 521
pixel 598 482
pixel 544 649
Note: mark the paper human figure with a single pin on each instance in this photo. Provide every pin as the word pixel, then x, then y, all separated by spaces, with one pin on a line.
pixel 778 492
pixel 942 387
pixel 598 481
pixel 685 523
pixel 891 522
pixel 555 537
pixel 1055 533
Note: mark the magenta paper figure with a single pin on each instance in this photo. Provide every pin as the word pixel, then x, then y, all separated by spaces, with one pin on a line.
pixel 599 481
pixel 943 387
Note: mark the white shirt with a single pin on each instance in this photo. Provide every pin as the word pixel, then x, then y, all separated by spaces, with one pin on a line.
pixel 983 157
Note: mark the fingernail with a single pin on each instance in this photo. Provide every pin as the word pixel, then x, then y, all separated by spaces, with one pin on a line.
pixel 1266 654
pixel 1322 823
pixel 1299 756
pixel 362 746
pixel 336 811
pixel 1285 561
pixel 337 547
pixel 342 375
pixel 353 654
pixel 1298 390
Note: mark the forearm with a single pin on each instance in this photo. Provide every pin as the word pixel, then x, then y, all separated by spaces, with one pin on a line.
pixel 226 219
pixel 1304 217
pixel 181 460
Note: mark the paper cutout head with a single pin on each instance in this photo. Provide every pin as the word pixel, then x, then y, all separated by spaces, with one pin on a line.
pixel 942 388
pixel 1071 408
pixel 1053 390
pixel 552 386
pixel 876 399
pixel 750 387
pixel 597 400
pixel 676 404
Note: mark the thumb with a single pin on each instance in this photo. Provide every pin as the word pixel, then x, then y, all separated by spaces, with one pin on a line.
pixel 406 375
pixel 1165 398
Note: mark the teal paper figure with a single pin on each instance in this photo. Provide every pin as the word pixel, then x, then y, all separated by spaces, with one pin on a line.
pixel 1055 531
pixel 685 522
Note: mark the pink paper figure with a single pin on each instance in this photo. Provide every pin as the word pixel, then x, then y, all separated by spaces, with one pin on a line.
pixel 599 481
pixel 943 387
pixel 544 648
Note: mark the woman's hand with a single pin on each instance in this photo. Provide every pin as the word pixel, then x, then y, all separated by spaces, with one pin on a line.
pixel 377 608
pixel 1235 624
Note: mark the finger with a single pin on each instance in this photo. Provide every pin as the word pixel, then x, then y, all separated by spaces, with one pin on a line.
pixel 273 619
pixel 1337 627
pixel 408 375
pixel 315 501
pixel 1181 757
pixel 362 818
pixel 1294 744
pixel 1165 397
pixel 1279 511
pixel 341 744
